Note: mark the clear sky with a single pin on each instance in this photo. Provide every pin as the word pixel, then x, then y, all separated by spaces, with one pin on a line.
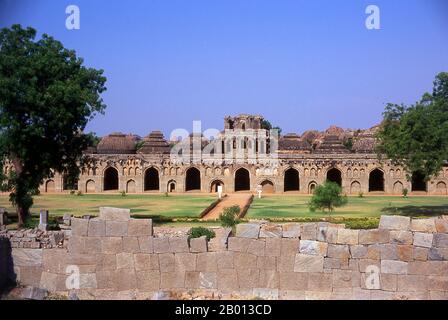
pixel 302 64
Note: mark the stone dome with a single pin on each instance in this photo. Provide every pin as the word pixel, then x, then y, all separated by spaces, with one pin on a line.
pixel 117 143
pixel 155 143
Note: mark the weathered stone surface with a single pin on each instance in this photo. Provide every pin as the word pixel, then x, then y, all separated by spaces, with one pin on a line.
pixel 140 227
pixel 148 280
pixel 145 261
pixel 405 252
pixel 208 280
pixel 394 267
pixel 54 260
pixel 244 260
pixel 389 252
pixel 438 254
pixel 116 228
pixel 308 263
pixel 374 236
pixel 92 245
pixel 423 239
pixel 112 245
pixel 248 230
pixel 207 262
pixel 395 223
pixel 184 262
pixel 125 260
pixel 358 251
pixel 438 283
pixel 388 282
pixel 339 251
pixel 269 279
pixel 88 281
pixel 327 234
pixel 293 281
pixel 248 278
pixel 166 262
pixel 124 279
pixel 421 254
pixel 423 225
pixel 346 279
pixel 79 226
pixel 27 257
pixel 308 231
pixel 48 281
pixel 347 236
pixel 320 282
pixel 291 230
pixel 225 260
pixel 334 263
pixel 411 283
pixel 115 214
pixel 172 280
pixel 146 244
pixel 270 231
pixel 364 265
pixel 161 245
pixel 441 225
pixel 440 240
pixel 97 228
pixel 289 246
pixel 401 237
pixel 313 247
pixel 179 244
pixel 257 248
pixel 131 245
pixel 227 280
pixel 238 244
pixel 273 247
pixel 198 244
pixel 267 263
pixel 285 263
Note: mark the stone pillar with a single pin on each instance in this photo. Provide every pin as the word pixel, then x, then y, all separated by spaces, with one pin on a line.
pixel 43 221
pixel 3 218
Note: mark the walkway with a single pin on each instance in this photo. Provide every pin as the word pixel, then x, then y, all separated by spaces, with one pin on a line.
pixel 232 199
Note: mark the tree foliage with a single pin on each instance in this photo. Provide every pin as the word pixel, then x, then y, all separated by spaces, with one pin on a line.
pixel 327 197
pixel 47 98
pixel 229 216
pixel 416 136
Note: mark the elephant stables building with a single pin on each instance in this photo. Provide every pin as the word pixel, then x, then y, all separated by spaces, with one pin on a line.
pixel 294 164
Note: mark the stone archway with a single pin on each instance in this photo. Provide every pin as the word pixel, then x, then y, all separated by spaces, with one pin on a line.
pixel 418 182
pixel 398 188
pixel 242 180
pixel 267 187
pixel 291 180
pixel 193 179
pixel 151 180
pixel 335 175
pixel 50 186
pixel 110 179
pixel 355 187
pixel 441 188
pixel 90 186
pixel 130 186
pixel 311 187
pixel 376 180
pixel 214 186
pixel 171 186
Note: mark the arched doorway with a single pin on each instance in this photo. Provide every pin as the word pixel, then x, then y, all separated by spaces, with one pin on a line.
pixel 50 186
pixel 267 187
pixel 441 188
pixel 215 184
pixel 398 187
pixel 130 186
pixel 110 179
pixel 312 187
pixel 151 180
pixel 376 180
pixel 355 187
pixel 90 186
pixel 335 175
pixel 418 182
pixel 193 180
pixel 291 180
pixel 171 187
pixel 242 180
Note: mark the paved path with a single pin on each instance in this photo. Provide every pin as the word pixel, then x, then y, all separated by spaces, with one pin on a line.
pixel 232 199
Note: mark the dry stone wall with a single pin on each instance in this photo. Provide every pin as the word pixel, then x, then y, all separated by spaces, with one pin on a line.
pixel 120 258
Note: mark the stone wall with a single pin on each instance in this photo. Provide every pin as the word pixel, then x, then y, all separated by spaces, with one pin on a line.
pixel 120 258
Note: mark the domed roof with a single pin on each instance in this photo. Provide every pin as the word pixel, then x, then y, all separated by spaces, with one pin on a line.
pixel 155 143
pixel 292 141
pixel 117 143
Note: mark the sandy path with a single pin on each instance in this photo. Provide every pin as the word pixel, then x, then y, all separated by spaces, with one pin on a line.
pixel 233 199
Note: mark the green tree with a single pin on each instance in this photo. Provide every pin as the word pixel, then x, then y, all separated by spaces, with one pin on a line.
pixel 47 98
pixel 416 136
pixel 265 124
pixel 229 216
pixel 327 197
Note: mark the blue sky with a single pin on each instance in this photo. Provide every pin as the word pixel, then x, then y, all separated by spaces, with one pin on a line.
pixel 302 64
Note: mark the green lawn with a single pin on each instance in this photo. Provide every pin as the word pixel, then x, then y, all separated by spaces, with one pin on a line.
pixel 144 204
pixel 291 206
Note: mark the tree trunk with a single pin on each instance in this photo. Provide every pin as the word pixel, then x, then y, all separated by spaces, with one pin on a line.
pixel 21 211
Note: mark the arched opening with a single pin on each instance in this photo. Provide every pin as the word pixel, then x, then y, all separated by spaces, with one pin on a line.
pixel 90 186
pixel 130 186
pixel 151 180
pixel 267 187
pixel 50 186
pixel 242 180
pixel 335 175
pixel 171 186
pixel 418 181
pixel 376 180
pixel 291 180
pixel 193 180
pixel 215 184
pixel 441 188
pixel 355 187
pixel 110 179
pixel 398 188
pixel 312 187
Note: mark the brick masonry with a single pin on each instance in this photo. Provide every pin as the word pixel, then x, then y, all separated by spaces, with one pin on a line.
pixel 119 258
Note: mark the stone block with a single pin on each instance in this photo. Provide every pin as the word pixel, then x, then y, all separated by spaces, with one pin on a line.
pixel 92 245
pixel 273 247
pixel 327 234
pixel 79 227
pixel 248 230
pixel 420 254
pixel 29 276
pixel 146 261
pixel 308 231
pixel 346 279
pixel 248 278
pixel 267 263
pixel 266 293
pixel 423 239
pixel 293 281
pixel 423 225
pixel 405 252
pixel 389 252
pixel 347 236
pixel 108 262
pixel 339 251
pixel 401 237
pixel 172 280
pixel 412 283
pixel 244 260
pixel 225 260
pixel 148 280
pixel 238 244
pixel 140 227
pixel 227 280
pixel 114 214
pixel 146 244
pixel 131 245
pixel 395 223
pixel 388 282
pixel 48 281
pixel 394 267
pixel 207 262
pixel 97 228
pixel 374 236
pixel 257 248
pixel 27 257
pixel 320 282
pixel 166 262
pixel 179 244
pixel 438 283
pixel 440 240
pixel 364 265
pixel 208 280
pixel 161 245
pixel 112 245
pixel 269 279
pixel 441 225
pixel 125 279
pixel 308 263
pixel 125 260
pixel 289 246
pixel 54 260
pixel 270 231
pixel 286 263
pixel 184 262
pixel 192 280
pixel 116 228
pixel 313 247
pixel 438 254
pixel 291 230
pixel 88 281
pixel 334 263
pixel 198 244
pixel 358 251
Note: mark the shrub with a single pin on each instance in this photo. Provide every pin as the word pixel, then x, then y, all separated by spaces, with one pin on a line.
pixel 327 197
pixel 197 232
pixel 72 192
pixel 123 193
pixel 361 195
pixel 229 217
pixel 79 193
pixel 405 192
